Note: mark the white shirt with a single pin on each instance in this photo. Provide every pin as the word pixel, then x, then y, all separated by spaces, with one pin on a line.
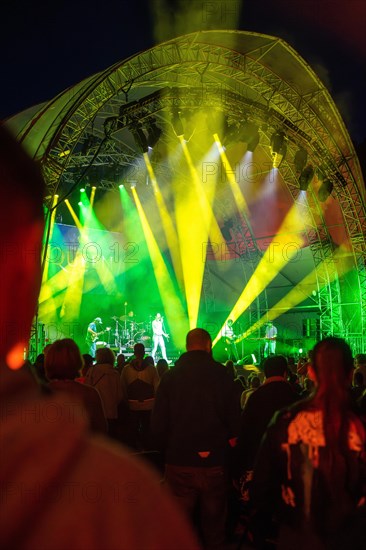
pixel 157 326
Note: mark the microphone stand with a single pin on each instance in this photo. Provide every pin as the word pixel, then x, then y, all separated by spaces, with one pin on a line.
pixel 125 325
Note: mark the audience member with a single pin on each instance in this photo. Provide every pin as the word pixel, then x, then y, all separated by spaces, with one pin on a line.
pixel 272 395
pixel 106 379
pixel 38 368
pixel 253 382
pixel 238 385
pixel 291 365
pixel 311 468
pixel 358 387
pixel 360 365
pixel 195 422
pixel 162 367
pixel 121 362
pixel 61 487
pixel 139 380
pixel 293 380
pixel 63 364
pixel 308 388
pixel 303 366
pixel 88 362
pixel 230 368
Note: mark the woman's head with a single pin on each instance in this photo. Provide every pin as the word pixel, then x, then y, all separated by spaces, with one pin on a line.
pixel 63 360
pixel 331 369
pixel 332 363
pixel 105 356
pixel 162 367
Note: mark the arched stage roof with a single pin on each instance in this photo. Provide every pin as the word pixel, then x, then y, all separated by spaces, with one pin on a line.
pixel 247 76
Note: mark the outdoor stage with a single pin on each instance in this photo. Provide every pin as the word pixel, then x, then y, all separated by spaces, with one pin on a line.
pixel 208 178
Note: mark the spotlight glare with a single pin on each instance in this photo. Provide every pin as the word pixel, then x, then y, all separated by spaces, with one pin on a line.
pixel 82 190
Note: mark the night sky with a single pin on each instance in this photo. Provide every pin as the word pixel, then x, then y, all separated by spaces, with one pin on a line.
pixel 47 49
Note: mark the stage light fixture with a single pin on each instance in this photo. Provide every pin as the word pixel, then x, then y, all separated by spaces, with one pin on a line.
pixel 153 133
pixel 278 148
pixel 325 190
pixel 226 230
pixel 249 134
pixel 140 138
pixel 82 190
pixel 253 142
pixel 231 136
pixel 300 159
pixel 306 177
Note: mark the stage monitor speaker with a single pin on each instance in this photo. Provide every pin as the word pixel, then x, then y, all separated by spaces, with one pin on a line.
pixel 311 328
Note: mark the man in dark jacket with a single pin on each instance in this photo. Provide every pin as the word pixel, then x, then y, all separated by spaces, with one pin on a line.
pixel 274 394
pixel 195 422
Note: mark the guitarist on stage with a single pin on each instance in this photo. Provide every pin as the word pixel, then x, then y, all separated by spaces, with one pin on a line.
pixel 229 338
pixel 94 329
pixel 270 338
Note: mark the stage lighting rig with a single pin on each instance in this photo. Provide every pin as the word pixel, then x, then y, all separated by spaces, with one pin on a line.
pixel 325 190
pixel 140 138
pixel 153 133
pixel 300 159
pixel 250 135
pixel 278 148
pixel 177 123
pixel 306 177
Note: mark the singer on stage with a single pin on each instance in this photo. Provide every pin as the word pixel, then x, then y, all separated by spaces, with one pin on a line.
pixel 158 336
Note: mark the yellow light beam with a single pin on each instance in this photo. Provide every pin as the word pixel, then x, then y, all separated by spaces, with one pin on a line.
pixel 196 225
pixel 52 224
pixel 167 222
pixel 213 229
pixel 345 262
pixel 74 216
pixel 238 195
pixel 70 309
pixel 92 251
pixel 92 196
pixel 172 305
pixel 283 248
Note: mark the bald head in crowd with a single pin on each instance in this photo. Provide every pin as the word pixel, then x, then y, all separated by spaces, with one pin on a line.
pixel 198 339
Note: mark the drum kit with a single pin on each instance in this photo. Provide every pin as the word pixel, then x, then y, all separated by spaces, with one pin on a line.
pixel 128 332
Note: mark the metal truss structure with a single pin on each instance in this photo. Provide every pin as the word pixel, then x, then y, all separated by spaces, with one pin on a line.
pixel 247 76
